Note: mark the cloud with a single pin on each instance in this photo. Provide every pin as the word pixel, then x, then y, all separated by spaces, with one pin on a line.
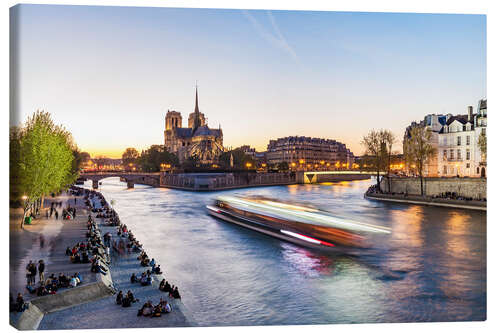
pixel 277 39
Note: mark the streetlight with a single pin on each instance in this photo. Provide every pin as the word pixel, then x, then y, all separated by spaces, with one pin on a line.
pixel 248 165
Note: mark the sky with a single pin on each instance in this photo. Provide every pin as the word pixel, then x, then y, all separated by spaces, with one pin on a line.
pixel 109 74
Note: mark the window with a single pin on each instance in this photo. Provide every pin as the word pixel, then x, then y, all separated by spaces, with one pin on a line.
pixel 459 154
pixel 451 154
pixel 445 141
pixel 477 170
pixel 467 165
pixel 468 140
pixel 459 140
pixel 467 155
pixel 444 170
pixel 483 131
pixel 444 155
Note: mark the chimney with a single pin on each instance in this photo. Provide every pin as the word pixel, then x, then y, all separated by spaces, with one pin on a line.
pixel 469 117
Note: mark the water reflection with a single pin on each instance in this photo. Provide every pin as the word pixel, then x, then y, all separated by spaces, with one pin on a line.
pixel 431 268
pixel 307 262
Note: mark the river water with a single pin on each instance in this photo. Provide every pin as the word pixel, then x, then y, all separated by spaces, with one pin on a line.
pixel 432 267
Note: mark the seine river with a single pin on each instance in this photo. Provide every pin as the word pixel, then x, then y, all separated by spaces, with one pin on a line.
pixel 432 267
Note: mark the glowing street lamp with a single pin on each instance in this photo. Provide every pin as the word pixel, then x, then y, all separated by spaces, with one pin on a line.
pixel 248 165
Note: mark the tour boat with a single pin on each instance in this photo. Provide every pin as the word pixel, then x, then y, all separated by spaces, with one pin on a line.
pixel 297 223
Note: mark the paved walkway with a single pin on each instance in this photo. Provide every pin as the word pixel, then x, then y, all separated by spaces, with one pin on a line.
pixel 104 313
pixel 46 239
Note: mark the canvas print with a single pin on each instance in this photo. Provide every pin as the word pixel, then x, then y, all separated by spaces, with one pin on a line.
pixel 174 167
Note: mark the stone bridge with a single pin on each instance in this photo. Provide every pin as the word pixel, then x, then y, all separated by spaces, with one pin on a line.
pixel 131 178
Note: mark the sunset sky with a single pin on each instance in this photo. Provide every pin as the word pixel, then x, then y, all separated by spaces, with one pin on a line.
pixel 109 74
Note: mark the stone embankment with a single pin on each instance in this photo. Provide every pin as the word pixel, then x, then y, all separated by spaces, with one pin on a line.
pixel 429 201
pixel 92 304
pixel 464 193
pixel 464 187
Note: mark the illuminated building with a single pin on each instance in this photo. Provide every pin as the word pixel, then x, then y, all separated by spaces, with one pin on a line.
pixel 304 151
pixel 197 140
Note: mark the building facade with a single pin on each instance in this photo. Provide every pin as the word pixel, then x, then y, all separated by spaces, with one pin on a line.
pixel 196 141
pixel 434 123
pixel 459 153
pixel 305 152
pixel 455 139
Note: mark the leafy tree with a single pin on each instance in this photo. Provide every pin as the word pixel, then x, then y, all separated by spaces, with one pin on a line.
pixel 419 150
pixel 84 157
pixel 191 162
pixel 44 159
pixel 156 155
pixel 129 156
pixel 100 161
pixel 14 170
pixel 482 142
pixel 240 159
pixel 283 166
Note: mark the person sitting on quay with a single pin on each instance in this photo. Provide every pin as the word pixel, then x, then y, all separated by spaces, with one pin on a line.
pixel 131 297
pixel 73 282
pixel 85 258
pixel 133 278
pixel 142 256
pixel 175 293
pixel 146 310
pixel 68 251
pixel 75 259
pixel 152 263
pixel 96 268
pixel 165 286
pixel 157 311
pixel 144 280
pixel 41 290
pixel 165 306
pixel 156 269
pixel 119 298
pixel 20 305
pixel 63 280
pixel 145 262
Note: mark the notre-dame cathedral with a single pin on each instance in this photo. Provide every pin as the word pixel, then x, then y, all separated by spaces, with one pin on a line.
pixel 197 140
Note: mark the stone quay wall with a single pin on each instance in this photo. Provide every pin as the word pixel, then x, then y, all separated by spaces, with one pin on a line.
pixel 467 187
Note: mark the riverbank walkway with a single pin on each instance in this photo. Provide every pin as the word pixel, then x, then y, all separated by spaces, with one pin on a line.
pixel 99 312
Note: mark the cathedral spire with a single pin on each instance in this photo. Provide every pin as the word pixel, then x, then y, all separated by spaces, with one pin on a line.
pixel 197 120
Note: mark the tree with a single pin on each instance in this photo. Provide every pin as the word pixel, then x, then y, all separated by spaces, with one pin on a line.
pixel 130 156
pixel 283 166
pixel 44 159
pixel 387 139
pixel 372 143
pixel 482 142
pixel 156 155
pixel 100 161
pixel 240 159
pixel 418 150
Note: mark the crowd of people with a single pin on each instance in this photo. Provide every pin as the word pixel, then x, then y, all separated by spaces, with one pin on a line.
pixel 96 251
pixel 455 196
pixel 127 243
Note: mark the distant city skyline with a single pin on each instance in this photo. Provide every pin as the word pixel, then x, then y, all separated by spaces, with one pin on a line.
pixel 109 74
